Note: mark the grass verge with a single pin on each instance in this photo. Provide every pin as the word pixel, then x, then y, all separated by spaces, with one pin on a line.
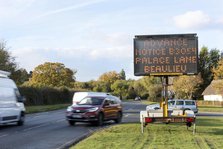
pixel 44 108
pixel 158 136
pixel 210 109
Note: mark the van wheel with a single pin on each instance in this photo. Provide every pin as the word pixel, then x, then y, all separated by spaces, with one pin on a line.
pixel 119 117
pixel 21 119
pixel 100 119
pixel 71 123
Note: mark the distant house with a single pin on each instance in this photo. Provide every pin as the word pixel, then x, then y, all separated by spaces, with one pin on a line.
pixel 214 92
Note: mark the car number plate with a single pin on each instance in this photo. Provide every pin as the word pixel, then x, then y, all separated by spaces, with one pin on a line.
pixel 76 116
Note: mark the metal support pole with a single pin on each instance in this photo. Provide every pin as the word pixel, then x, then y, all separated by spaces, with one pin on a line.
pixel 165 105
pixel 194 127
pixel 142 124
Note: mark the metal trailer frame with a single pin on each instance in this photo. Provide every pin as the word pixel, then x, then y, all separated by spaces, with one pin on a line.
pixel 178 119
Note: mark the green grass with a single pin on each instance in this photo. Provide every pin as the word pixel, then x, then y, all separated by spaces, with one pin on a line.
pixel 148 102
pixel 210 109
pixel 209 135
pixel 35 109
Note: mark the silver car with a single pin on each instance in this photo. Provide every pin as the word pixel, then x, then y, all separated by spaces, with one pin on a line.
pixel 177 104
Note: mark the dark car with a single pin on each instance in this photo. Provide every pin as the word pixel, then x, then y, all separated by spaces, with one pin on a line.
pixel 96 110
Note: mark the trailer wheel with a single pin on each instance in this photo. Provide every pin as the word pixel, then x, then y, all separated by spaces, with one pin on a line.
pixel 188 124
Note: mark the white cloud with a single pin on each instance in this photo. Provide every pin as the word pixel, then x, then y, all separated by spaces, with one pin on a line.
pixel 77 6
pixel 111 53
pixel 220 21
pixel 192 20
pixel 29 58
pixel 12 8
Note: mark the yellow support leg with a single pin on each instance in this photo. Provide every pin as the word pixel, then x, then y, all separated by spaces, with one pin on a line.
pixel 165 111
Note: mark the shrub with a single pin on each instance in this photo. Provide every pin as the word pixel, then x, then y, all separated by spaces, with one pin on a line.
pixel 46 96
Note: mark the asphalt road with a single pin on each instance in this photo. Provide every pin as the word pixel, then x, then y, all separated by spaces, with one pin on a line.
pixel 50 130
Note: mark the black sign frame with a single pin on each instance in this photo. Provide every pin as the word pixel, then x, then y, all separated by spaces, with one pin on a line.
pixel 166 55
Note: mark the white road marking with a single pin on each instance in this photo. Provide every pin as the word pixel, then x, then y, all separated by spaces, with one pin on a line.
pixel 126 115
pixel 31 128
pixel 4 135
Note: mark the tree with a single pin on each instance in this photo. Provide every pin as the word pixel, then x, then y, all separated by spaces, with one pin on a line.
pixel 218 71
pixel 204 68
pixel 7 63
pixel 207 62
pixel 214 58
pixel 107 79
pixel 122 75
pixel 149 87
pixel 100 86
pixel 52 75
pixel 120 87
pixel 140 89
pixel 80 86
pixel 20 76
pixel 186 86
pixel 6 60
pixel 153 86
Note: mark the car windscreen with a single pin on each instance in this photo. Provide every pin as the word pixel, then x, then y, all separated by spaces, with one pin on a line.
pixel 91 101
pixel 7 94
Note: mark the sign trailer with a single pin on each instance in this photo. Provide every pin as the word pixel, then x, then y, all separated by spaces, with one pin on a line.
pixel 163 56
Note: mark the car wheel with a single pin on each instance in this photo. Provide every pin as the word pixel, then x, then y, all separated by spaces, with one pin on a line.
pixel 71 123
pixel 100 119
pixel 119 117
pixel 21 119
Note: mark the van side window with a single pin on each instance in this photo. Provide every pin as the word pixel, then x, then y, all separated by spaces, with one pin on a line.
pixel 189 103
pixel 179 102
pixel 171 103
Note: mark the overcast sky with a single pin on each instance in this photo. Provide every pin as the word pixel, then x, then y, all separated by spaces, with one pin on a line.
pixel 96 36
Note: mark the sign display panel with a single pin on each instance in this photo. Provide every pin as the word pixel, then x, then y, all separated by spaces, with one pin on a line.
pixel 174 54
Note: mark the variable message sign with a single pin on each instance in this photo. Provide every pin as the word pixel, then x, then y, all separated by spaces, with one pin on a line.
pixel 175 54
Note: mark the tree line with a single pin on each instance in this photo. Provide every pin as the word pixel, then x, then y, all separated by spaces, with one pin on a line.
pixel 57 75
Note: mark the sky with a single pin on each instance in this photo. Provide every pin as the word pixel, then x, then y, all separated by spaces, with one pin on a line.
pixel 96 36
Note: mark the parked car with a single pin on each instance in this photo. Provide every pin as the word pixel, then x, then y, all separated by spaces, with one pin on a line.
pixel 179 104
pixel 11 102
pixel 95 109
pixel 138 98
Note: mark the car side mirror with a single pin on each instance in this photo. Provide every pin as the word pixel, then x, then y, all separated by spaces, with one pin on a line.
pixel 106 104
pixel 21 99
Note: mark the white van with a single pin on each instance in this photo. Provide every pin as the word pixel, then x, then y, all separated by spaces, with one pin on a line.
pixel 78 96
pixel 12 108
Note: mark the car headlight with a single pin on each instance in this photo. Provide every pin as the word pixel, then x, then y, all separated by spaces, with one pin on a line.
pixel 69 109
pixel 93 109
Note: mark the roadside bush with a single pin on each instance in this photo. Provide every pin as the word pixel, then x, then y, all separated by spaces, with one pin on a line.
pixel 46 96
pixel 210 103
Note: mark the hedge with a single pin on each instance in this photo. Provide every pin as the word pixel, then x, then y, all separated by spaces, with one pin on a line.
pixel 46 96
pixel 210 103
